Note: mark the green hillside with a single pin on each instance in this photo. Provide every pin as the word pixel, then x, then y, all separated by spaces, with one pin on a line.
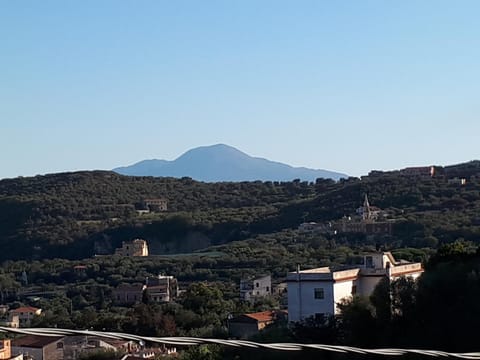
pixel 75 215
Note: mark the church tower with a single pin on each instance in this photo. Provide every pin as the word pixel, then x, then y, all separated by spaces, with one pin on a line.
pixel 366 213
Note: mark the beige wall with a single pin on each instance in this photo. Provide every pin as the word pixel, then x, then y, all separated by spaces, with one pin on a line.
pixel 48 352
pixel 5 351
pixel 342 290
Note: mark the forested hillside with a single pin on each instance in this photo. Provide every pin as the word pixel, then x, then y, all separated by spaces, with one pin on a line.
pixel 76 215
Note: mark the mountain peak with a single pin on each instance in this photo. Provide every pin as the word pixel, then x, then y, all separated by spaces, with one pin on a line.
pixel 217 152
pixel 221 162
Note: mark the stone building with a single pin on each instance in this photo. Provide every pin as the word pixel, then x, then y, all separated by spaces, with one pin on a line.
pixel 156 205
pixel 137 247
pixel 39 347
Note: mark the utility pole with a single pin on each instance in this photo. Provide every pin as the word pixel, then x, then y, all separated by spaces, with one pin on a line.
pixel 299 293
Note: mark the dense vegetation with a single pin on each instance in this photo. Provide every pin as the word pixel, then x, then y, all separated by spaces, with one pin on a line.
pixel 437 312
pixel 227 231
pixel 76 215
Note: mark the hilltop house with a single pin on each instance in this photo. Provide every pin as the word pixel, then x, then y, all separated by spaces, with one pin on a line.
pixel 126 294
pixel 24 314
pixel 162 288
pixel 159 289
pixel 154 205
pixel 369 220
pixel 419 171
pixel 316 292
pixel 253 288
pixel 137 247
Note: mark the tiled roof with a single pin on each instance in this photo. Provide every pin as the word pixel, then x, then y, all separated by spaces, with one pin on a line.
pixel 24 309
pixel 263 316
pixel 33 341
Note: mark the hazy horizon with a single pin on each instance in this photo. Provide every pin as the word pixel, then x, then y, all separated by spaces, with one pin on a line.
pixel 259 156
pixel 348 87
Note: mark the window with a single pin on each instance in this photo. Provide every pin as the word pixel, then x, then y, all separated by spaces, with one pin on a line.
pixel 369 262
pixel 318 293
pixel 268 288
pixel 257 284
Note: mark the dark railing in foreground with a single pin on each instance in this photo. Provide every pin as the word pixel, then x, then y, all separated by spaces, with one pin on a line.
pixel 190 341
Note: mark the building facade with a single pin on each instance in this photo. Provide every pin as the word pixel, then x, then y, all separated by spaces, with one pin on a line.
pixel 5 349
pixel 253 288
pixel 248 325
pixel 316 292
pixel 137 247
pixel 155 205
pixel 162 288
pixel 39 347
pixel 79 347
pixel 25 315
pixel 420 171
pixel 126 294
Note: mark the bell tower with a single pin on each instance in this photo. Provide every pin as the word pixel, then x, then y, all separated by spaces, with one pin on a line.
pixel 366 213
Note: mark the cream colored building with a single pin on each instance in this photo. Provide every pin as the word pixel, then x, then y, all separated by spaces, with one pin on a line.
pixel 24 314
pixel 137 247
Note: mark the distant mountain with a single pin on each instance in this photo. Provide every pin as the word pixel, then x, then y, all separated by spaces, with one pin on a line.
pixel 224 163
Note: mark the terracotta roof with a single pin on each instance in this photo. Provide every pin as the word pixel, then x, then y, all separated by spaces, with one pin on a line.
pixel 33 341
pixel 262 316
pixel 24 309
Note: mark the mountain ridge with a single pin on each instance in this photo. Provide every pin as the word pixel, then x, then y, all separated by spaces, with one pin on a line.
pixel 220 162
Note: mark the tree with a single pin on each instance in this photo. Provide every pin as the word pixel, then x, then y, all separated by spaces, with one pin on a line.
pixel 203 352
pixel 357 323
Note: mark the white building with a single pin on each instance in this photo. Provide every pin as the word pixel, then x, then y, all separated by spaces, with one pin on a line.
pixel 316 292
pixel 251 289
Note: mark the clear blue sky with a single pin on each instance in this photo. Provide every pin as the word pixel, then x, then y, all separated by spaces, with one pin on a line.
pixel 341 85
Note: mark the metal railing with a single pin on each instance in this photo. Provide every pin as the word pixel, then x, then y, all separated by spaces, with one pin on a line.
pixel 191 341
